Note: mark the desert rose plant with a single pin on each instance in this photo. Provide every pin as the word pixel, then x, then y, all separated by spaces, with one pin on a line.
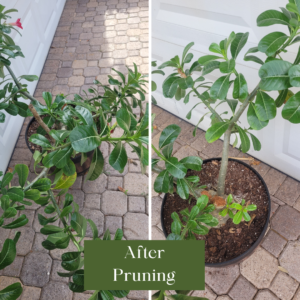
pixel 67 129
pixel 179 294
pixel 276 74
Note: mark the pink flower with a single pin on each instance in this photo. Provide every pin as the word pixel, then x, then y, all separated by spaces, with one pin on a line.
pixel 17 23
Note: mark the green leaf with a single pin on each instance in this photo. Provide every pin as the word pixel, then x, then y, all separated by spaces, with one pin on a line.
pixel 44 221
pixel 253 119
pixel 220 88
pixel 65 181
pixel 216 131
pixel 85 115
pixel 271 17
pixel 265 107
pixel 71 261
pixel 4 202
pixel 254 59
pixel 69 169
pixel 60 240
pixel 30 77
pixel 210 66
pixel 192 162
pixel 84 138
pixel 23 110
pixel 23 172
pixel 2 117
pixel 94 228
pixel 238 217
pixel 227 66
pixel 42 184
pixel 118 235
pixel 161 183
pixel 118 157
pixel 245 142
pixel 204 60
pixel 123 119
pixel 182 191
pixel 120 293
pixel 175 168
pixel 174 237
pixel 188 58
pixel 170 86
pixel 186 50
pixel 21 221
pixel 61 157
pixel 96 166
pixel 185 83
pixel 49 121
pixel 294 73
pixel 232 104
pixel 12 292
pixel 176 227
pixel 215 48
pixel 255 141
pixel 15 194
pixel 7 178
pixel 238 43
pixel 40 140
pixel 240 88
pixel 274 75
pixel 106 295
pixel 168 64
pixel 9 213
pixel 12 109
pixel 7 254
pixel 281 97
pixel 48 98
pixel 169 135
pixel 50 229
pixel 291 110
pixel 79 224
pixel 272 42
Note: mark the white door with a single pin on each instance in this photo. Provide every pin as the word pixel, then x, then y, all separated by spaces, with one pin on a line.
pixel 176 23
pixel 39 19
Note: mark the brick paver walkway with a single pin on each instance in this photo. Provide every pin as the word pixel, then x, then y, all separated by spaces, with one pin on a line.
pixel 273 271
pixel 91 38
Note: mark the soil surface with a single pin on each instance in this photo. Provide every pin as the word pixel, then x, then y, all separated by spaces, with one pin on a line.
pixel 229 241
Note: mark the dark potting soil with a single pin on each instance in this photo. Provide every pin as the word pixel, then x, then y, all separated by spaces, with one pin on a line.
pixel 229 241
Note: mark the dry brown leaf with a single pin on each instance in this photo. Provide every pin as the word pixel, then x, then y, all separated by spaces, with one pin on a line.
pixel 9 170
pixel 121 189
pixel 232 230
pixel 215 163
pixel 252 218
pixel 255 162
pixel 154 127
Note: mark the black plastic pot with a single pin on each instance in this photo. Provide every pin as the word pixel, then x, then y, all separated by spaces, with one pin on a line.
pixel 246 254
pixel 80 169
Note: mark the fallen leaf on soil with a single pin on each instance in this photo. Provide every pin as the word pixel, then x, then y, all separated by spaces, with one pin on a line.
pixel 215 162
pixel 252 218
pixel 282 269
pixel 218 232
pixel 232 230
pixel 218 201
pixel 9 170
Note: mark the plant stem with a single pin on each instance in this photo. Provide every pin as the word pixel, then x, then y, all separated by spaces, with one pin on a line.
pixel 224 161
pixel 42 174
pixel 30 106
pixel 52 197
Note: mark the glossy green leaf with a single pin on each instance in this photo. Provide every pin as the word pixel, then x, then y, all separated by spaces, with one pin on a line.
pixel 12 292
pixel 49 121
pixel 174 237
pixel 192 162
pixel 85 115
pixel 60 240
pixel 254 59
pixel 161 183
pixel 186 49
pixel 271 17
pixel 15 194
pixel 61 157
pixel 40 140
pixel 210 66
pixel 9 213
pixel 69 169
pixel 79 224
pixel 216 131
pixel 255 141
pixel 238 43
pixel 118 157
pixel 272 42
pixel 2 117
pixel 274 75
pixel 118 235
pixel 253 119
pixel 106 295
pixel 220 88
pixel 48 98
pixel 96 166
pixel 294 73
pixel 5 202
pixel 23 109
pixel 291 110
pixel 7 178
pixel 238 217
pixel 170 86
pixel 8 254
pixel 123 119
pixel 265 107
pixel 175 168
pixel 120 293
pixel 208 58
pixel 50 229
pixel 281 97
pixel 84 138
pixel 182 190
pixel 21 221
pixel 169 135
pixel 227 66
pixel 42 184
pixel 93 228
pixel 71 261
pixel 23 172
pixel 12 109
pixel 240 87
pixel 245 141
pixel 215 48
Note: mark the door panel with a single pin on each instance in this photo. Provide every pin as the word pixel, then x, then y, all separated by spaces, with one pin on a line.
pixel 176 23
pixel 39 19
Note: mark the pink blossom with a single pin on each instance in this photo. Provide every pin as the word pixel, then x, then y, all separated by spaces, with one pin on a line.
pixel 17 23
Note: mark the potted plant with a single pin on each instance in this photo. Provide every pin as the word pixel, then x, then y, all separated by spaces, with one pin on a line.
pixel 66 130
pixel 225 178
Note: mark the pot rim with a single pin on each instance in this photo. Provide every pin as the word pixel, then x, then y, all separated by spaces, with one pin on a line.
pixel 247 253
